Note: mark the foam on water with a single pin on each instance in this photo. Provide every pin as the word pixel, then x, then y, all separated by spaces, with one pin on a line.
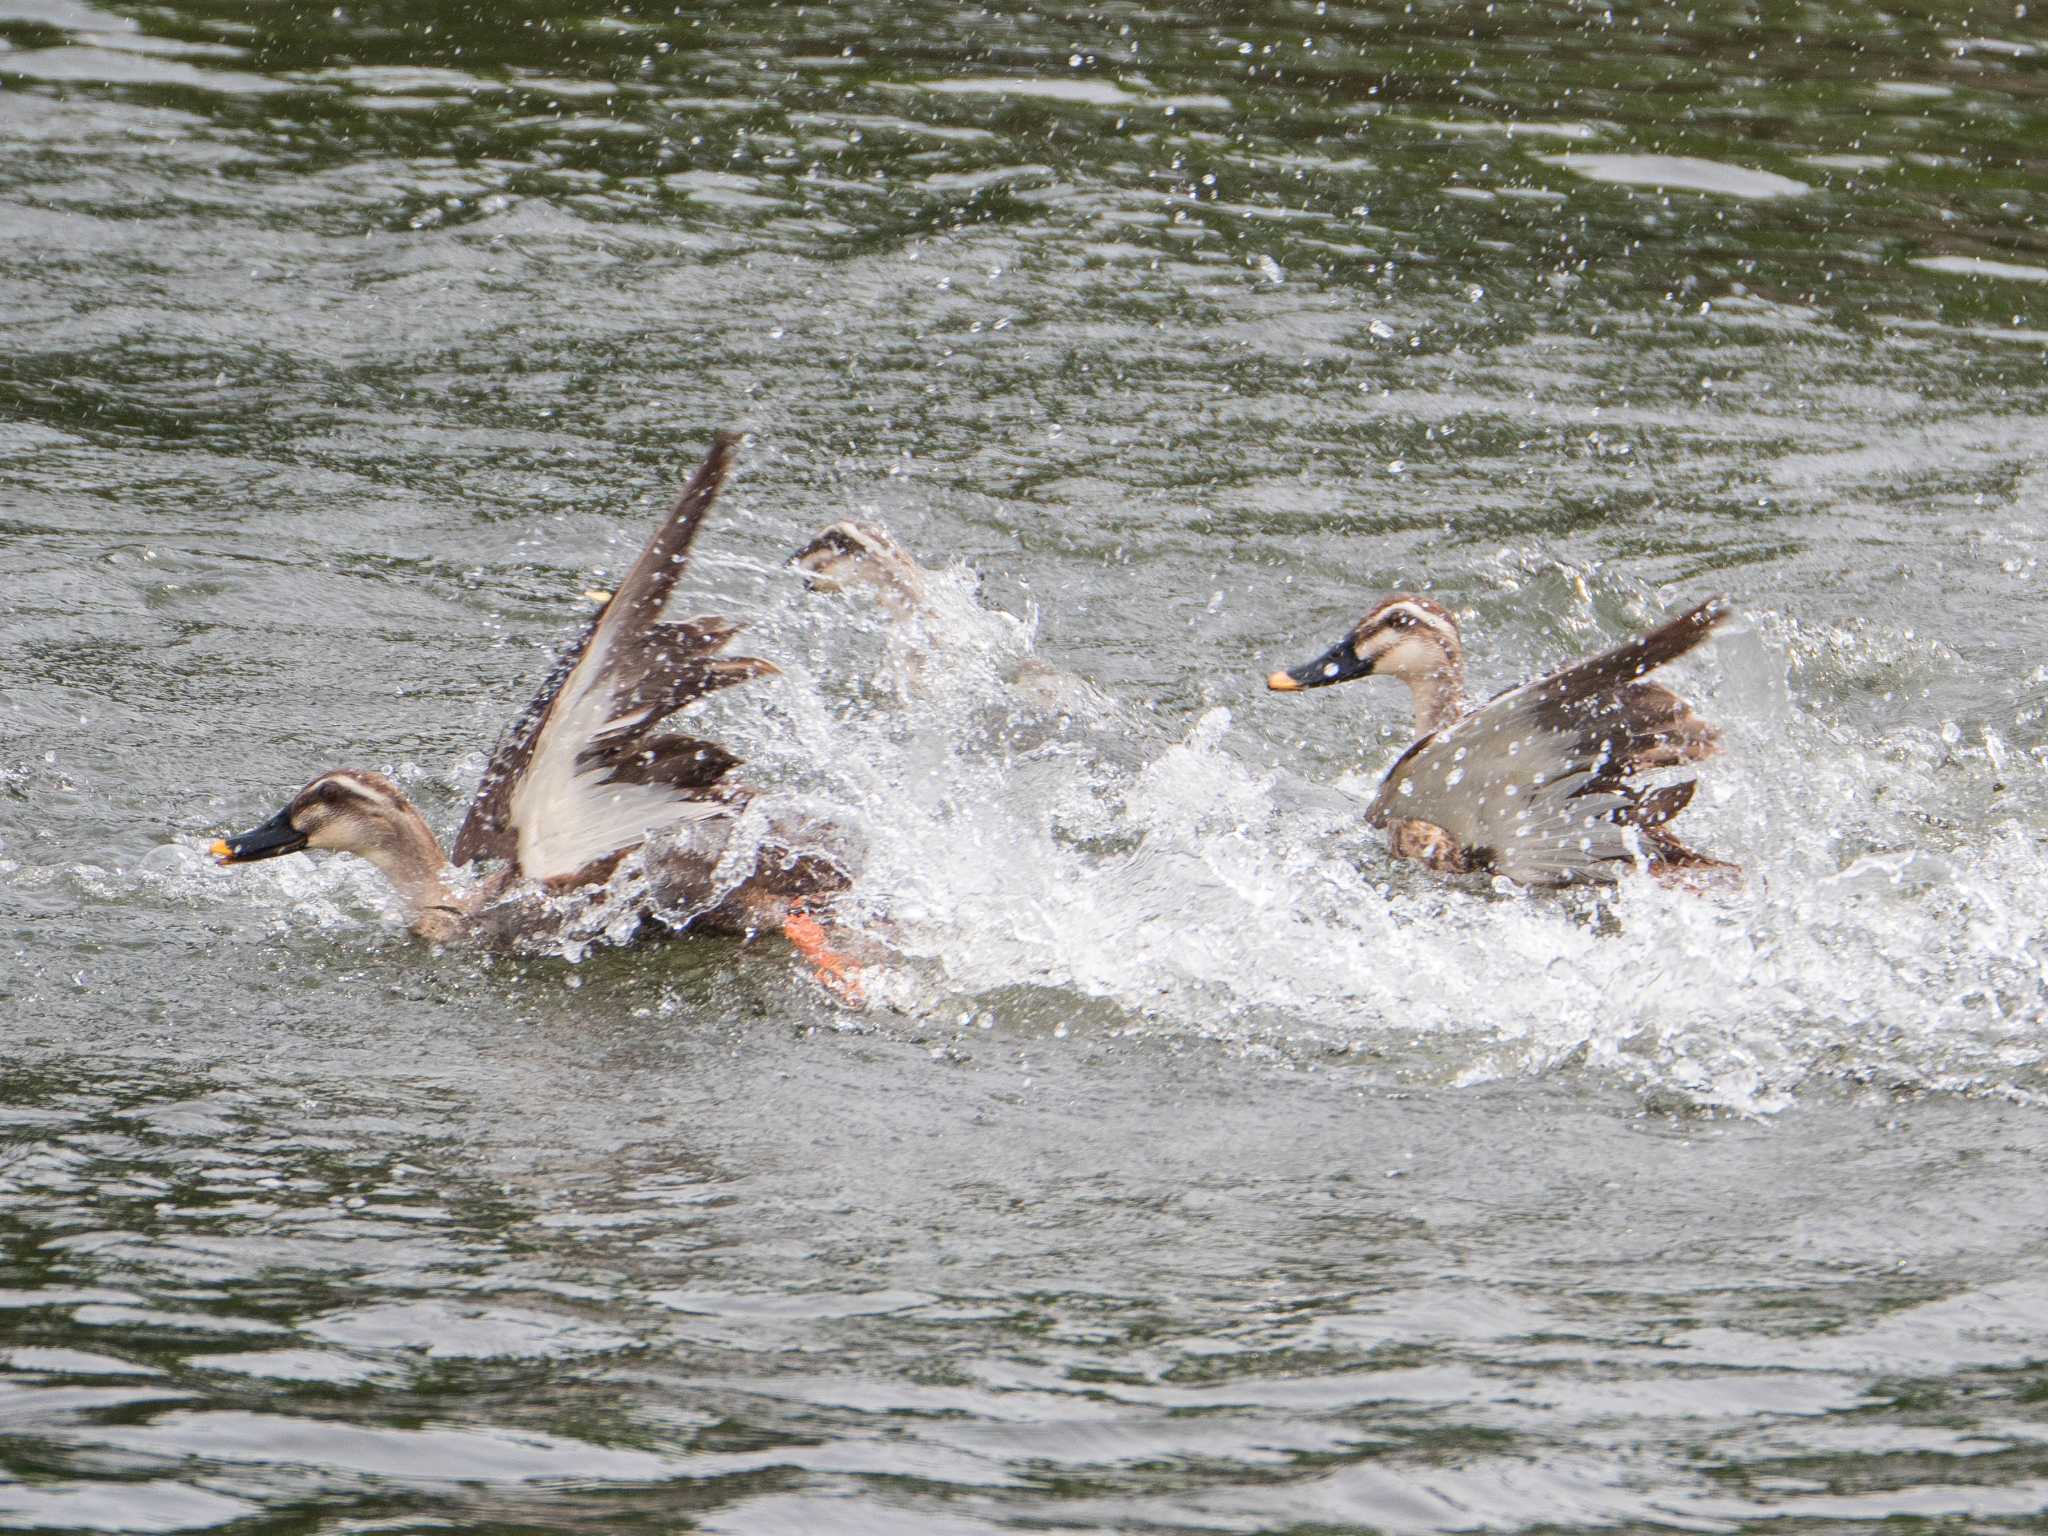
pixel 1023 834
pixel 1023 831
pixel 1169 871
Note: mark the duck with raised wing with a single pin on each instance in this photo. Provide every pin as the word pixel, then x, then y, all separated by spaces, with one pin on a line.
pixel 1535 784
pixel 849 556
pixel 591 783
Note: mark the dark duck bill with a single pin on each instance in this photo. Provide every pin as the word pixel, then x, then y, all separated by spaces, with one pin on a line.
pixel 1339 664
pixel 271 840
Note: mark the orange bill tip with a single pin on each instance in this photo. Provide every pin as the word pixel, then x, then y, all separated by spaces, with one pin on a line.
pixel 221 851
pixel 1280 682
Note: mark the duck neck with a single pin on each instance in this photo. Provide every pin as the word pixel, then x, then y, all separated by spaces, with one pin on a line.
pixel 1439 695
pixel 418 871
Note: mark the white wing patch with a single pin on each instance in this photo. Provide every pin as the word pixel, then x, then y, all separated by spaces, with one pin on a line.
pixel 567 813
pixel 588 769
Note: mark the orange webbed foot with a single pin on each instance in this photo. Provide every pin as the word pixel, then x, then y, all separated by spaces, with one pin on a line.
pixel 835 972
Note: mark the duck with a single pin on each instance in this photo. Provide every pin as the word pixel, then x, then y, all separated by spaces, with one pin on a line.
pixel 866 561
pixel 592 791
pixel 864 557
pixel 1538 783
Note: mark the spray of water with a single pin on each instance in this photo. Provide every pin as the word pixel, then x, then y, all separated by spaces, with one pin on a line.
pixel 1023 835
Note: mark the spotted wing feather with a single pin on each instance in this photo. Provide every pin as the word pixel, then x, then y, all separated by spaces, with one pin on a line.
pixel 1537 778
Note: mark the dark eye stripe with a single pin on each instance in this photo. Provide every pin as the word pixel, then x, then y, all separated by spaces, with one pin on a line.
pixel 337 792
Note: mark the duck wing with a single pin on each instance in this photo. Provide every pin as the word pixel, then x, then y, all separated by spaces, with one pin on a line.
pixel 587 769
pixel 1534 783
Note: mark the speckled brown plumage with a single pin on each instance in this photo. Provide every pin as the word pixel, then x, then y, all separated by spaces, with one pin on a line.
pixel 1535 784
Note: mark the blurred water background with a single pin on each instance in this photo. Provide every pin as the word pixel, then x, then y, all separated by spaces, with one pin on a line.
pixel 1197 1170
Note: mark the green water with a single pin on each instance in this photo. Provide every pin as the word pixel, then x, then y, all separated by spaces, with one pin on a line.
pixel 1197 1170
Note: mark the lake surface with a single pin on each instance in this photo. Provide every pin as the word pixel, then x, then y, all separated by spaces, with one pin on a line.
pixel 1195 1169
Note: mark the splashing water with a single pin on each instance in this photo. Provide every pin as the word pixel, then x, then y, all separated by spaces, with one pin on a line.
pixel 1081 848
pixel 1023 834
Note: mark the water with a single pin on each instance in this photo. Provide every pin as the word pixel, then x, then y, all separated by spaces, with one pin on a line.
pixel 1197 1170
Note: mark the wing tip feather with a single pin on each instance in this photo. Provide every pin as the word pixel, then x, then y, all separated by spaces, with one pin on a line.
pixel 1710 613
pixel 709 477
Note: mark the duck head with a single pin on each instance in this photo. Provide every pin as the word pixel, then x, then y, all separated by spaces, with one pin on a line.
pixel 347 811
pixel 847 556
pixel 1407 637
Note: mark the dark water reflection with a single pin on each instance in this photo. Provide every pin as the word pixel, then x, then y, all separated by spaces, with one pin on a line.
pixel 240 1306
pixel 1213 1177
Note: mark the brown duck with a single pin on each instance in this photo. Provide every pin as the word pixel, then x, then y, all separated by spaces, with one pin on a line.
pixel 592 775
pixel 860 556
pixel 1535 784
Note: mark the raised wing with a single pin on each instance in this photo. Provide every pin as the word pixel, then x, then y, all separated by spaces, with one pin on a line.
pixel 587 771
pixel 1534 782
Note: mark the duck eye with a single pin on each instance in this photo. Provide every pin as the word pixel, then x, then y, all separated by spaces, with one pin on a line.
pixel 330 793
pixel 1400 621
